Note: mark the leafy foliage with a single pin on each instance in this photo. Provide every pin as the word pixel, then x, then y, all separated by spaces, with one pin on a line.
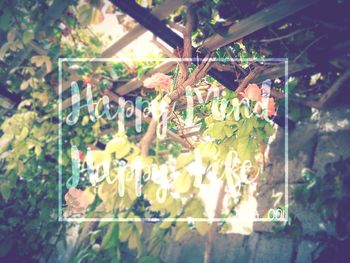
pixel 329 195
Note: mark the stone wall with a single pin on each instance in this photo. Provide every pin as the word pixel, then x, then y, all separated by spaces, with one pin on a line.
pixel 311 144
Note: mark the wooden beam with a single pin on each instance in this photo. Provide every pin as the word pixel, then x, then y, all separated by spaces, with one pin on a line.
pixel 256 22
pixel 149 21
pixel 161 12
pixel 164 49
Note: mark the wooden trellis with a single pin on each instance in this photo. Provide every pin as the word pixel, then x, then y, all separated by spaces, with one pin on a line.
pixel 153 21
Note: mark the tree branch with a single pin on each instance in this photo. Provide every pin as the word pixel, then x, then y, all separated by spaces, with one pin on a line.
pixel 187 47
pixel 330 92
pixel 196 75
pixel 148 137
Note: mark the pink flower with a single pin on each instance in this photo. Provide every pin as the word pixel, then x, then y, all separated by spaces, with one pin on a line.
pixel 76 200
pixel 158 81
pixel 81 156
pixel 252 92
pixel 271 109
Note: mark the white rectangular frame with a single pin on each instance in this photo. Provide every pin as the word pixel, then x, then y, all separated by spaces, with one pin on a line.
pixel 60 211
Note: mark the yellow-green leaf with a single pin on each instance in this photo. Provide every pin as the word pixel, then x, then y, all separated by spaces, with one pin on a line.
pixel 100 156
pixel 5 190
pixel 41 60
pixel 24 85
pixel 27 36
pixel 111 238
pixel 202 227
pixel 120 146
pixel 165 224
pixel 125 231
pixel 183 160
pixel 132 244
pixel 37 150
pixel 183 183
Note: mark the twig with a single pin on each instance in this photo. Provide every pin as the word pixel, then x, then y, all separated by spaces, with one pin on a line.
pixel 148 137
pixel 182 130
pixel 284 36
pixel 330 92
pixel 187 33
pixel 197 74
pixel 307 47
pixel 277 36
pixel 187 47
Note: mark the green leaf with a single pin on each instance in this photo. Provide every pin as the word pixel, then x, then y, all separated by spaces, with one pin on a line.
pixel 24 133
pixel 202 227
pixel 207 150
pixel 132 244
pixel 41 60
pixel 11 35
pixel 5 189
pixel 125 231
pixel 165 224
pixel 120 146
pixel 37 150
pixel 182 229
pixel 217 130
pixel 183 160
pixel 95 41
pixel 111 238
pixel 269 129
pixel 228 131
pixel 246 128
pixel 27 36
pixel 5 141
pixel 244 149
pixel 4 48
pixel 183 183
pixel 85 120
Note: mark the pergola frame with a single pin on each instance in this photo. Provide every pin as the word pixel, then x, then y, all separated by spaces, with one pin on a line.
pixel 152 21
